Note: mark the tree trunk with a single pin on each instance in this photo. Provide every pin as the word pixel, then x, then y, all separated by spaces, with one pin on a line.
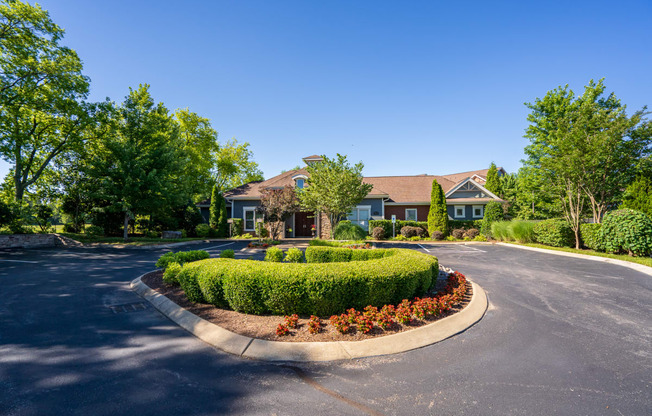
pixel 577 238
pixel 126 226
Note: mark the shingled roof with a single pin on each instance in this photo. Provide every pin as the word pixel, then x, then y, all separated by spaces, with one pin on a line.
pixel 400 189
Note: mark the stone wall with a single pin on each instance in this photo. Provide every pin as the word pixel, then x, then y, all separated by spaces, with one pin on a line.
pixel 324 227
pixel 34 241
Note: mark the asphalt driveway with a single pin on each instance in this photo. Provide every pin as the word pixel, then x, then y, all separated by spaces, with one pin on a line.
pixel 561 336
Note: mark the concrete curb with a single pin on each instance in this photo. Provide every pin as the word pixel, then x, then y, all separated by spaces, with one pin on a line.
pixel 635 266
pixel 316 351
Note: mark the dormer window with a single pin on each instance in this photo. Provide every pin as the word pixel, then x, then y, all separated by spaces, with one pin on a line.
pixel 300 182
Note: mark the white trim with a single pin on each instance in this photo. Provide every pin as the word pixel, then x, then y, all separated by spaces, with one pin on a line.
pixel 244 218
pixel 407 203
pixel 459 185
pixel 473 207
pixel 416 214
pixel 299 176
pixel 463 212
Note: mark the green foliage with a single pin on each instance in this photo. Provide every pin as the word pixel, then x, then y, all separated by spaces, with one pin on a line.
pixel 515 230
pixel 227 254
pixel 500 231
pixel 274 254
pixel 181 257
pixel 316 242
pixel 202 230
pixel 42 215
pixel 554 232
pixel 346 230
pixel 493 180
pixel 94 230
pixel 437 215
pixel 627 231
pixel 314 288
pixel 261 230
pixel 234 165
pixel 333 188
pixel 6 214
pixel 466 224
pixel 591 235
pixel 638 195
pixel 237 227
pixel 410 232
pixel 387 225
pixel 493 211
pixel 171 272
pixel 585 148
pixel 294 255
pixel 42 93
pixel 217 213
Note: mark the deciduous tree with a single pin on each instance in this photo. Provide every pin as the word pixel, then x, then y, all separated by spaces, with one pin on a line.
pixel 277 205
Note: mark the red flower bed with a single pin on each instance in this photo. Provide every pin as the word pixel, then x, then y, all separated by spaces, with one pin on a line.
pixel 406 313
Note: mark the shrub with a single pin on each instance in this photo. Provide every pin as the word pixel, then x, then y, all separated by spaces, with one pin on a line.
pixel 458 233
pixel 203 230
pixel 409 231
pixel 466 224
pixel 629 231
pixel 274 254
pixel 71 228
pixel 237 227
pixel 261 230
pixel 437 215
pixel 94 230
pixel 378 233
pixel 227 254
pixel 592 236
pixel 471 233
pixel 493 212
pixel 346 230
pixel 387 226
pixel 181 257
pixel 152 234
pixel 521 231
pixel 437 235
pixel 294 255
pixel 554 232
pixel 318 289
pixel 171 273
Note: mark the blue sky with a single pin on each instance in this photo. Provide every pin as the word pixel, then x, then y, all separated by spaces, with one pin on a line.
pixel 406 87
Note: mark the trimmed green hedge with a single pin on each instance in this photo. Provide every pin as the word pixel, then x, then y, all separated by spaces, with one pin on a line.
pixel 181 257
pixel 554 232
pixel 466 224
pixel 319 288
pixel 387 226
pixel 591 235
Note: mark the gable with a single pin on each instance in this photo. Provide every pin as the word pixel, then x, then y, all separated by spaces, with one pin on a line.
pixel 469 188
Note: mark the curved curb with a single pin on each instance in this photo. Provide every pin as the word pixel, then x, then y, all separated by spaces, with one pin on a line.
pixel 634 266
pixel 316 351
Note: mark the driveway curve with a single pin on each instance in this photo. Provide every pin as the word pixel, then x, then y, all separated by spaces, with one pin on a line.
pixel 561 336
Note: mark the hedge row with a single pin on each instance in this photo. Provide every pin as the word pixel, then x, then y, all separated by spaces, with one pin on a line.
pixel 387 226
pixel 181 257
pixel 321 289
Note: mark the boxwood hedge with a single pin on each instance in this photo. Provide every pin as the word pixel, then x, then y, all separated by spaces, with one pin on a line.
pixel 361 278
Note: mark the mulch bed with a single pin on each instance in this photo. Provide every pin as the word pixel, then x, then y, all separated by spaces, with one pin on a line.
pixel 264 326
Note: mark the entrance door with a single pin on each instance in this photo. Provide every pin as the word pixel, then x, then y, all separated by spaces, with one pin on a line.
pixel 303 222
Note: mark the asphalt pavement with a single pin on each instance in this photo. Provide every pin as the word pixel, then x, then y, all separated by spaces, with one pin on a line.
pixel 561 336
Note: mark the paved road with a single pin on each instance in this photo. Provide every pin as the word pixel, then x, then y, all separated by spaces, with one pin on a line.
pixel 562 336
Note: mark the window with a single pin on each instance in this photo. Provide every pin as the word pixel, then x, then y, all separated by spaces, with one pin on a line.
pixel 360 215
pixel 411 214
pixel 460 211
pixel 300 183
pixel 478 211
pixel 249 218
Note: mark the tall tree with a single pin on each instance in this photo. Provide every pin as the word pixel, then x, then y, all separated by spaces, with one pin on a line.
pixel 333 188
pixel 134 169
pixel 437 215
pixel 200 146
pixel 234 166
pixel 277 205
pixel 42 92
pixel 493 180
pixel 585 147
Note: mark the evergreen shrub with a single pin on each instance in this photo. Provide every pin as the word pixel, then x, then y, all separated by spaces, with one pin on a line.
pixel 346 230
pixel 181 257
pixel 591 235
pixel 274 254
pixel 627 231
pixel 202 230
pixel 294 255
pixel 554 232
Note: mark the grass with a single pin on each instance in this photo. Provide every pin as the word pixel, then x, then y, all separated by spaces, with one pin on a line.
pixel 646 261
pixel 133 241
pixel 515 230
pixel 335 243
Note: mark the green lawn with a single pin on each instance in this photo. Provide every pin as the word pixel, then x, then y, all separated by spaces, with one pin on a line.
pixel 133 241
pixel 646 261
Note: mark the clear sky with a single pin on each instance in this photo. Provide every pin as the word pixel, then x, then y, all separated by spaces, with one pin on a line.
pixel 406 87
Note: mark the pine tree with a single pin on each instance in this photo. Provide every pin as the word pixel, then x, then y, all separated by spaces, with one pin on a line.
pixel 493 181
pixel 437 216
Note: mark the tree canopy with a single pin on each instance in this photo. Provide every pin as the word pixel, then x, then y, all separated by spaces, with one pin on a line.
pixel 334 188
